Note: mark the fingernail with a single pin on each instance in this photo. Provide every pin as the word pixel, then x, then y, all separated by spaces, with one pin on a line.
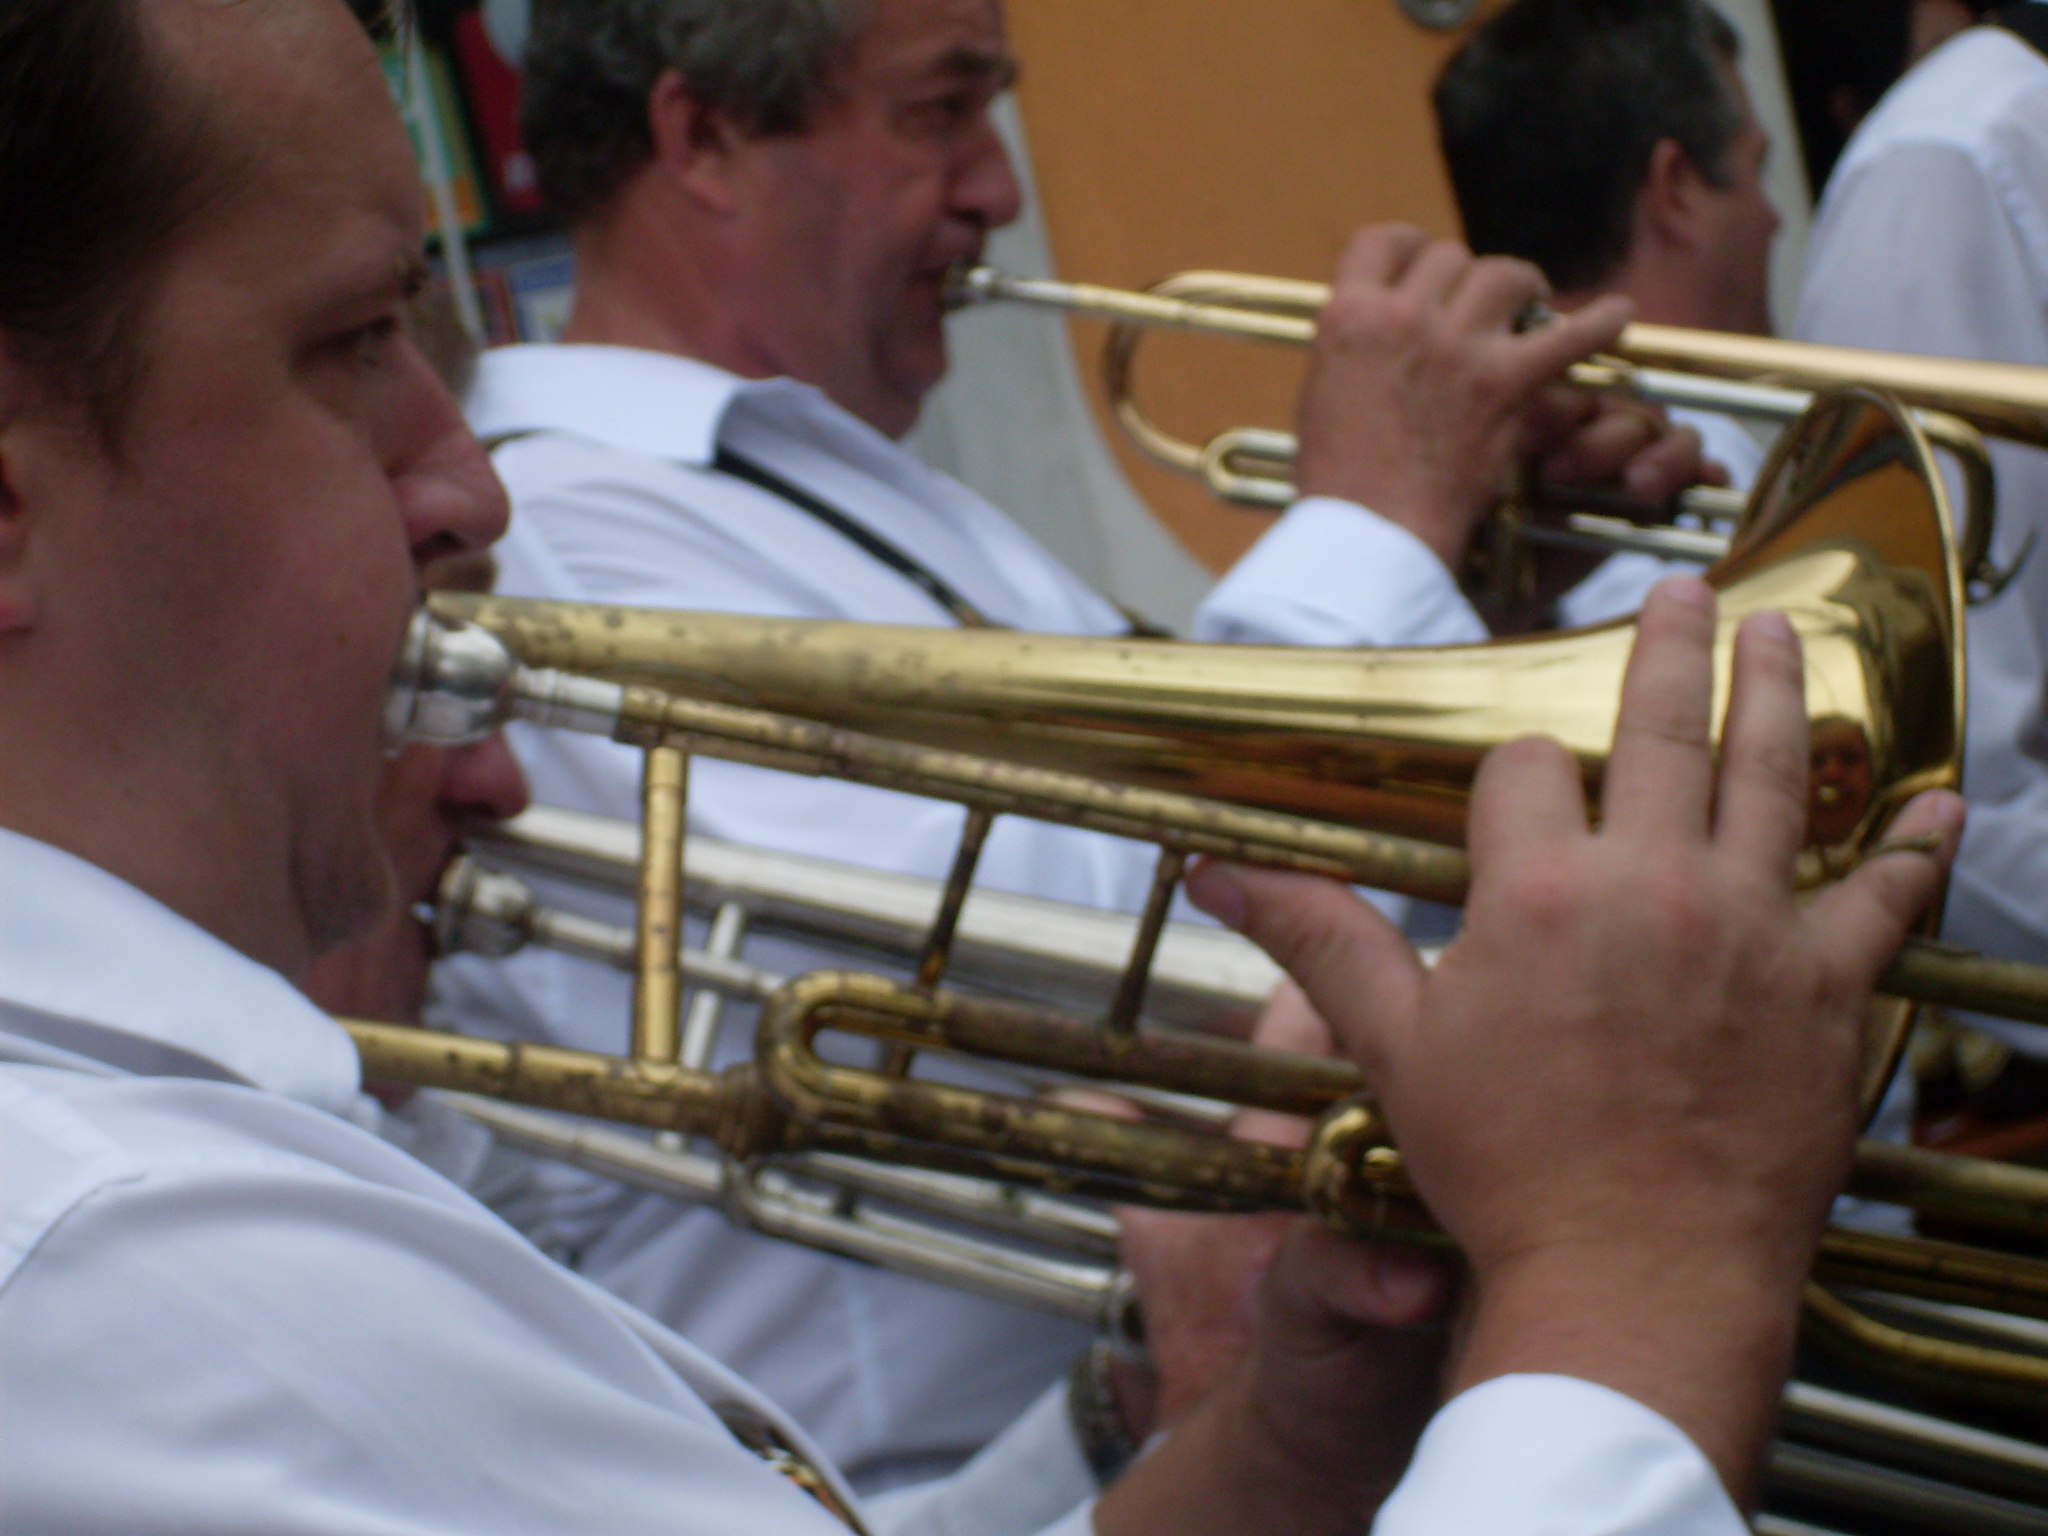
pixel 1948 806
pixel 1690 591
pixel 1771 625
pixel 1410 1285
pixel 1213 887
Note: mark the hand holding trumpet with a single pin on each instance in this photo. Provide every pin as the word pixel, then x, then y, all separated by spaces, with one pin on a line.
pixel 1422 397
pixel 1629 1092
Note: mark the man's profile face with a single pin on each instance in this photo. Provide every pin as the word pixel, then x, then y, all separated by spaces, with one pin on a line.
pixel 856 220
pixel 1741 226
pixel 249 554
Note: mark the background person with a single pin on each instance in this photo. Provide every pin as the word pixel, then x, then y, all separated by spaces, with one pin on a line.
pixel 1610 144
pixel 1928 240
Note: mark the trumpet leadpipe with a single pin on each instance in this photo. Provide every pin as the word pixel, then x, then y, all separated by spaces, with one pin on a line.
pixel 1760 377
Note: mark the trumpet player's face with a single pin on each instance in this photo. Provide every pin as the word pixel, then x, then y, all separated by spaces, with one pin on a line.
pixel 223 586
pixel 858 218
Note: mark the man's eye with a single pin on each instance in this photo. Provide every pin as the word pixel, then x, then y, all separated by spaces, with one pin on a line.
pixel 944 113
pixel 368 345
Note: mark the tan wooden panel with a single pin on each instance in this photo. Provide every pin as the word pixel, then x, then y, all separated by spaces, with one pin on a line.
pixel 1254 135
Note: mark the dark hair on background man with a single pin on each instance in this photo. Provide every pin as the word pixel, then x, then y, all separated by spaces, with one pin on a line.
pixel 1549 113
pixel 590 65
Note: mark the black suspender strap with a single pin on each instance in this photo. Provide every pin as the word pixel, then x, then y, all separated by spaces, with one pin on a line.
pixel 964 613
pixel 2027 20
pixel 870 543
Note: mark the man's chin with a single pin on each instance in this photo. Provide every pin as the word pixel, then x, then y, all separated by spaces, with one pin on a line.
pixel 919 360
pixel 348 906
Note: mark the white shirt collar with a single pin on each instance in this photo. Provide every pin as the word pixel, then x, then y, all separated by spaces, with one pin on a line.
pixel 655 403
pixel 79 943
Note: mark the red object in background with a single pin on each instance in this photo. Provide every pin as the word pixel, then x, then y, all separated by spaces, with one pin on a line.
pixel 491 86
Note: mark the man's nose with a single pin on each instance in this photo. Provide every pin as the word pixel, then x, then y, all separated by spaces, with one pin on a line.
pixel 451 497
pixel 987 188
pixel 483 782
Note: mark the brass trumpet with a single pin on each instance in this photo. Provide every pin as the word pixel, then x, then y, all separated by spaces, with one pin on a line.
pixel 1956 404
pixel 1282 757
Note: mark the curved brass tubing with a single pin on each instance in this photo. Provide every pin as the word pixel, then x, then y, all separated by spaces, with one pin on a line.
pixel 1956 403
pixel 1353 764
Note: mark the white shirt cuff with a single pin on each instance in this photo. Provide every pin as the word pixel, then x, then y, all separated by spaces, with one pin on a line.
pixel 1556 1456
pixel 1331 572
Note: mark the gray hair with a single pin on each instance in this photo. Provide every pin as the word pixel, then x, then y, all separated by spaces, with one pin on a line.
pixel 590 65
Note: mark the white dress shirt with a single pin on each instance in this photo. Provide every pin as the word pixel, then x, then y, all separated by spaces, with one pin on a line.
pixel 614 501
pixel 227 1307
pixel 1933 237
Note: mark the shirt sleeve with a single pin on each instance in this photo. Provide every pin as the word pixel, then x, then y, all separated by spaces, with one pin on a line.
pixel 1556 1456
pixel 239 1341
pixel 1918 251
pixel 1929 248
pixel 1331 572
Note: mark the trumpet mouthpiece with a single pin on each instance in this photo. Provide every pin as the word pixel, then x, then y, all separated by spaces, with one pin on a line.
pixel 451 685
pixel 969 284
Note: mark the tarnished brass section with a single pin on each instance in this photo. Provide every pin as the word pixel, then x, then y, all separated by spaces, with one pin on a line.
pixel 792 1100
pixel 663 1096
pixel 1040 1142
pixel 1934 1271
pixel 657 976
pixel 1349 1150
pixel 1968 1189
pixel 1122 1021
pixel 1963 979
pixel 1352 1176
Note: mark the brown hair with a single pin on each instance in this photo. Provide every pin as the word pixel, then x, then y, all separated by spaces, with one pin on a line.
pixel 103 157
pixel 101 160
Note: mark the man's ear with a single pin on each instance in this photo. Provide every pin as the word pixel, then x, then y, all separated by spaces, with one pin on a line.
pixel 1671 206
pixel 695 145
pixel 17 599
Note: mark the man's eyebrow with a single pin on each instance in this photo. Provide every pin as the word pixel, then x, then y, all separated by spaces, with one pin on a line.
pixel 981 64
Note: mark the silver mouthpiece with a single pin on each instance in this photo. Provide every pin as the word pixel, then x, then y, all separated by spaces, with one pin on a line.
pixel 479 911
pixel 970 283
pixel 456 683
pixel 452 684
